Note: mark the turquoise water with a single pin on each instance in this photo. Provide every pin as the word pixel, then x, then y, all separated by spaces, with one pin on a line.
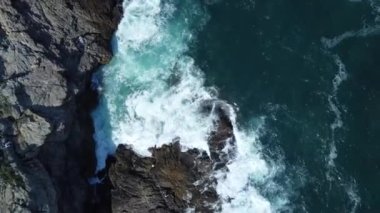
pixel 302 78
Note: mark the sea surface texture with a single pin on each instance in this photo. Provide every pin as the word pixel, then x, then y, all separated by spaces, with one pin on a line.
pixel 302 78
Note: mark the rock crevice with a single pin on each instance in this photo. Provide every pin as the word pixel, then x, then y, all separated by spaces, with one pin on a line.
pixel 48 51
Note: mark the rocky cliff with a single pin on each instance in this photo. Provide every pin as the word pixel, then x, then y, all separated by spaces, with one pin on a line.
pixel 48 50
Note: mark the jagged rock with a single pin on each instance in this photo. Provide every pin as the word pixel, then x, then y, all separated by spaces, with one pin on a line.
pixel 45 88
pixel 48 51
pixel 25 186
pixel 33 130
pixel 172 180
pixel 10 195
pixel 221 140
pixel 169 181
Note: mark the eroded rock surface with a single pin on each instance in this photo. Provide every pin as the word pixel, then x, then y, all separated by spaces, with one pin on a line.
pixel 172 180
pixel 48 50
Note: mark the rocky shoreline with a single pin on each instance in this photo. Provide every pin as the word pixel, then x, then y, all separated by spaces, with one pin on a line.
pixel 172 180
pixel 48 52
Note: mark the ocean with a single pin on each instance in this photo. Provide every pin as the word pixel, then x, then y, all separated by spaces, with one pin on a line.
pixel 302 78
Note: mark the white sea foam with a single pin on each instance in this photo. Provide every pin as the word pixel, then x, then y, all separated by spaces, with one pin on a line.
pixel 363 32
pixel 152 94
pixel 366 30
pixel 352 192
pixel 238 187
pixel 375 5
pixel 333 172
pixel 334 106
pixel 157 116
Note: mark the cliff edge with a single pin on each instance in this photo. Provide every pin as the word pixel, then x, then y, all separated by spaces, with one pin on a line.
pixel 48 51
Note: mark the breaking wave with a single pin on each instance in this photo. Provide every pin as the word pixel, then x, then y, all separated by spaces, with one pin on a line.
pixel 151 93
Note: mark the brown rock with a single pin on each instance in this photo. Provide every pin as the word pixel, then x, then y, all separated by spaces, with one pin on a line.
pixel 173 180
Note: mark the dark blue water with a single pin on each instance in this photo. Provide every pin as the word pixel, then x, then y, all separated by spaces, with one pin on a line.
pixel 311 69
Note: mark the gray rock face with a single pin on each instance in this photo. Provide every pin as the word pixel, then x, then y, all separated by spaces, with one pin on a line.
pixel 33 131
pixel 48 50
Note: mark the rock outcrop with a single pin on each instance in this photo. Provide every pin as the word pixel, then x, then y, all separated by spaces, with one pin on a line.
pixel 172 180
pixel 48 51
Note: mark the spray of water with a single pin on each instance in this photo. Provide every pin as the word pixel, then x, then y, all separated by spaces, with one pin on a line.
pixel 152 92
